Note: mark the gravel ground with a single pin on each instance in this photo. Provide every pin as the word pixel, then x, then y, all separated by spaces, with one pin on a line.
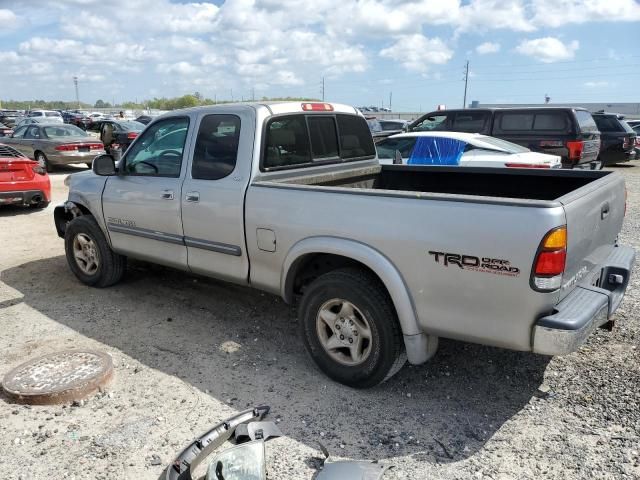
pixel 190 352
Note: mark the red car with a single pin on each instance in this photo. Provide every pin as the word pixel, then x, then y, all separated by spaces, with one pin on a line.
pixel 22 181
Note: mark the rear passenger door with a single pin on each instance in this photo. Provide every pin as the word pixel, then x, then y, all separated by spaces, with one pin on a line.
pixel 213 195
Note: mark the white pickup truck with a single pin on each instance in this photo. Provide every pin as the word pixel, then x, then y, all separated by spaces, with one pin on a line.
pixel 383 260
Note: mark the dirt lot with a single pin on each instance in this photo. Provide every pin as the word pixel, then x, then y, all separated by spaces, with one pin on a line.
pixel 190 352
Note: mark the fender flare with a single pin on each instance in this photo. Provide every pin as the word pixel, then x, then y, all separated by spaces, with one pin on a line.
pixel 364 254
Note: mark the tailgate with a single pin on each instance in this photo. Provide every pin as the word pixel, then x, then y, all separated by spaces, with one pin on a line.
pixel 16 170
pixel 594 215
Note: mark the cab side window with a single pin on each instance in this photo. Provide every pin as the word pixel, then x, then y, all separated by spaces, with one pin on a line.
pixel 159 150
pixel 216 150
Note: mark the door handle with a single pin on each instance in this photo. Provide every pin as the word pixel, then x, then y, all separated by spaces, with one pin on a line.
pixel 604 213
pixel 167 194
pixel 192 197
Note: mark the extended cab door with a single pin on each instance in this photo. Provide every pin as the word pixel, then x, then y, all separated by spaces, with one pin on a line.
pixel 141 204
pixel 213 195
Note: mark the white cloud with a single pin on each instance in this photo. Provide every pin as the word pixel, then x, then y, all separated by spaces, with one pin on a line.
pixel 486 15
pixel 7 17
pixel 597 84
pixel 179 68
pixel 488 47
pixel 548 49
pixel 417 52
pixel 555 13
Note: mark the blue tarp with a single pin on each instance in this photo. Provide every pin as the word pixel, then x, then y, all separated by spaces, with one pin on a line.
pixel 436 151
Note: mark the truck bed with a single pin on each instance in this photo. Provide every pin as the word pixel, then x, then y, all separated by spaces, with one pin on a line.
pixel 529 184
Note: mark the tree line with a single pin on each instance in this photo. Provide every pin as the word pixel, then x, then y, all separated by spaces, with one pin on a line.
pixel 185 101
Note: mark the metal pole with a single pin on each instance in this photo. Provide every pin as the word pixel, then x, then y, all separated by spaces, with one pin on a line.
pixel 75 82
pixel 466 81
pixel 323 89
pixel 390 95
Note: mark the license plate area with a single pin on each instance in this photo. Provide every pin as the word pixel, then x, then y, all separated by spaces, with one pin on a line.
pixel 83 149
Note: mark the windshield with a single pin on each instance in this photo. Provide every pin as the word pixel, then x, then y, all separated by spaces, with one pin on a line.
pixel 508 147
pixel 64 131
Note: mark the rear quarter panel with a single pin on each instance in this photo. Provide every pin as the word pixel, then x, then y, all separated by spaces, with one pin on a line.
pixel 463 303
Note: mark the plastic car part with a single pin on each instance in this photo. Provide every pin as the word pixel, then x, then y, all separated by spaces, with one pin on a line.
pixel 242 462
pixel 352 470
pixel 256 431
pixel 200 448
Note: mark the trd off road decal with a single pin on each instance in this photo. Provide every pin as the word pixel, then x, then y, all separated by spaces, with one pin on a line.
pixel 496 266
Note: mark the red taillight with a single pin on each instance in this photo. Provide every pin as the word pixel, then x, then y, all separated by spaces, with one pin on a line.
pixel 626 142
pixel 317 107
pixel 527 165
pixel 575 150
pixel 67 147
pixel 72 147
pixel 551 263
pixel 637 141
pixel 132 135
pixel 551 259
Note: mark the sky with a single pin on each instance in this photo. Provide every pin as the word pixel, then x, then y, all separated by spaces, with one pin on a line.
pixel 411 53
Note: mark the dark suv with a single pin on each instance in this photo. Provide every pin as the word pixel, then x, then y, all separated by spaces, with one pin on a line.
pixel 617 138
pixel 570 133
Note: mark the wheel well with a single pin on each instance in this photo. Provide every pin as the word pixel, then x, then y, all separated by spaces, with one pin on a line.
pixel 309 267
pixel 62 215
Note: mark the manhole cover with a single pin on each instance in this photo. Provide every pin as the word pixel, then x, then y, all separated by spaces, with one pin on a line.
pixel 58 377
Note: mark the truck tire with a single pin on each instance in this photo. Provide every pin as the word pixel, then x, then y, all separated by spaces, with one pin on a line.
pixel 89 255
pixel 350 328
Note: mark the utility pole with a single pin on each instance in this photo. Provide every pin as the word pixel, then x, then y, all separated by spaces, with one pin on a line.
pixel 253 94
pixel 390 95
pixel 75 82
pixel 466 81
pixel 323 89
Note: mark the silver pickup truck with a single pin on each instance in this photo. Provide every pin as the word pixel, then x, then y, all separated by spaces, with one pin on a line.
pixel 381 260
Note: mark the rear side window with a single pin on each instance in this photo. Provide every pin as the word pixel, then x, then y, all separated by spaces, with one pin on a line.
pixel 293 140
pixel 608 123
pixel 552 121
pixel 471 122
pixel 533 121
pixel 216 150
pixel 287 142
pixel 516 121
pixel 355 137
pixel 585 121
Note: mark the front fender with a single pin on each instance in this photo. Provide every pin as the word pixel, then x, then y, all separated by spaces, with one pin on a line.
pixel 420 347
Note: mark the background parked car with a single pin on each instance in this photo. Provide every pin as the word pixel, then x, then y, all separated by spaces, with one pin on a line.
pixel 5 131
pixel 51 116
pixel 636 128
pixel 10 117
pixel 22 181
pixel 29 121
pixel 53 144
pixel 570 133
pixel 118 134
pixel 460 149
pixel 618 140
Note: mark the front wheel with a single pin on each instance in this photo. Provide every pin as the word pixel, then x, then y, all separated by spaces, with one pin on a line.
pixel 89 255
pixel 350 328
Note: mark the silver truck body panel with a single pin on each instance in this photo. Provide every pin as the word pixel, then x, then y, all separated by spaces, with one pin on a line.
pixel 255 227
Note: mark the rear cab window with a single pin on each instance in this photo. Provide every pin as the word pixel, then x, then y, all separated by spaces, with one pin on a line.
pixel 586 122
pixel 556 121
pixel 297 140
pixel 469 121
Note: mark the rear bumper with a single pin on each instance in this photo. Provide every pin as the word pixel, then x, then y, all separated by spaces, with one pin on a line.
pixel 68 158
pixel 24 197
pixel 586 308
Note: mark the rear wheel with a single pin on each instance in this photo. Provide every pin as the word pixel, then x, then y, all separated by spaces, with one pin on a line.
pixel 39 205
pixel 42 160
pixel 89 255
pixel 350 328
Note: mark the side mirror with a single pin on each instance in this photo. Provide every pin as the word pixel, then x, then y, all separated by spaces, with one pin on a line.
pixel 104 165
